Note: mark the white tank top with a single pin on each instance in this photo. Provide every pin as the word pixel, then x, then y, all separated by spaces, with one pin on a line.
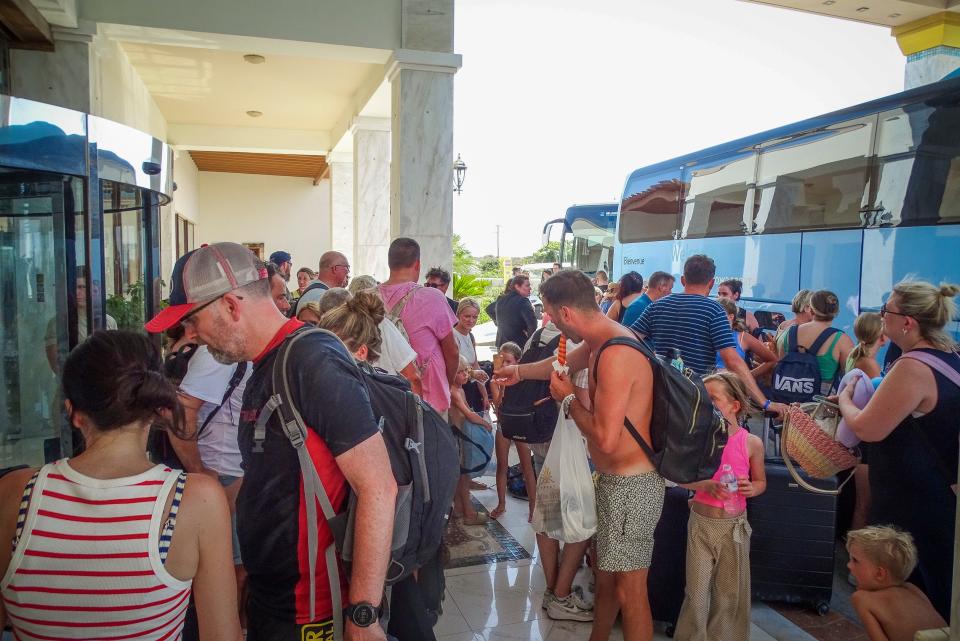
pixel 88 558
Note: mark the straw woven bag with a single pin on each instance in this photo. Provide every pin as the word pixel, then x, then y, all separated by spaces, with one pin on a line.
pixel 808 438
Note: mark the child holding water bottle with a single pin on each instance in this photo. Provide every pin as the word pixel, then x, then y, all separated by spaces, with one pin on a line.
pixel 717 599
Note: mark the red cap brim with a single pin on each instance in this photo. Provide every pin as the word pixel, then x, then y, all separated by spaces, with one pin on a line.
pixel 168 317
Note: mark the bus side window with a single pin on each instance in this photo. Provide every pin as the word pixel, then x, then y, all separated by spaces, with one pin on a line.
pixel 918 166
pixel 817 180
pixel 718 192
pixel 651 207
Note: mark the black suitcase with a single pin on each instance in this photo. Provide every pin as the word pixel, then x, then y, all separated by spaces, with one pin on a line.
pixel 792 547
pixel 666 579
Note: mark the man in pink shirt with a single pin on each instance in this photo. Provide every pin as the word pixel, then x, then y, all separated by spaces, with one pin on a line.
pixel 427 319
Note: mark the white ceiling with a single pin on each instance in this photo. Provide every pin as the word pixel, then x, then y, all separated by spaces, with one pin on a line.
pixel 216 87
pixel 887 13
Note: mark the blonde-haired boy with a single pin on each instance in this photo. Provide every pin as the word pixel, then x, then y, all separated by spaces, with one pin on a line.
pixel 881 559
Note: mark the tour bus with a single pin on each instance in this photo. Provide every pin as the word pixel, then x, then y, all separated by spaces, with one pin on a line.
pixel 590 229
pixel 852 201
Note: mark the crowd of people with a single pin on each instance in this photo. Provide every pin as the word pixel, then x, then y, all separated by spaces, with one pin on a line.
pixel 206 530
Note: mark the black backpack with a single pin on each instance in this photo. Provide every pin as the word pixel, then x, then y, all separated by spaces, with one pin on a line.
pixel 175 364
pixel 528 413
pixel 158 443
pixel 688 433
pixel 424 458
pixel 796 378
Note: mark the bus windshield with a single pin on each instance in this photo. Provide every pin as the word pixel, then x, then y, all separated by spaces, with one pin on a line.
pixel 587 238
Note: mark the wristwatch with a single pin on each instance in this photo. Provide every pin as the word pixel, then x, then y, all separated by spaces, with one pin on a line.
pixel 362 614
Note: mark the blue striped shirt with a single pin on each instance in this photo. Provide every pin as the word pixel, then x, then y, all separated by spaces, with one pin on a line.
pixel 694 324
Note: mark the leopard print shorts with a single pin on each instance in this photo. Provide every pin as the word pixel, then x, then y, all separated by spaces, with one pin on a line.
pixel 628 509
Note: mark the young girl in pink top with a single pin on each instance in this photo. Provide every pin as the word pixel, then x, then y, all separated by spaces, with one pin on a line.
pixel 717 601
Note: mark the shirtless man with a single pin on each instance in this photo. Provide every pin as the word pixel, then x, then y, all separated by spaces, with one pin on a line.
pixel 629 490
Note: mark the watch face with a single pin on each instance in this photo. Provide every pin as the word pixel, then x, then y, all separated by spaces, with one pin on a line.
pixel 363 615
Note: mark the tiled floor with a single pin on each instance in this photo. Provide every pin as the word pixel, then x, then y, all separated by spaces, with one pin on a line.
pixel 502 601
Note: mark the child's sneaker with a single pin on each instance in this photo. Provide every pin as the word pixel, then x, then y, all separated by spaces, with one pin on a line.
pixel 569 608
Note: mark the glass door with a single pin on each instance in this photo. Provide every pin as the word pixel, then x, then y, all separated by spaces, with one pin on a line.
pixel 42 314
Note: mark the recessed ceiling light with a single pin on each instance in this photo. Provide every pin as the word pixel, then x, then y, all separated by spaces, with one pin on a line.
pixel 253 113
pixel 829 2
pixel 862 9
pixel 254 58
pixel 894 15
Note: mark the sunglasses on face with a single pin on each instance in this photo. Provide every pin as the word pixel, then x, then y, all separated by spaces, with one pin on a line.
pixel 434 285
pixel 884 311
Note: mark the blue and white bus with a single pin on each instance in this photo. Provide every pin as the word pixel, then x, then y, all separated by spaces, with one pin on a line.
pixel 852 201
pixel 587 232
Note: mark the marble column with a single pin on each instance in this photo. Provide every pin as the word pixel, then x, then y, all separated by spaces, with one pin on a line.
pixel 341 204
pixel 371 199
pixel 932 65
pixel 421 198
pixel 932 48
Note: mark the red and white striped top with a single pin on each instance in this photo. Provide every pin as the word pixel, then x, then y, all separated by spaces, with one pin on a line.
pixel 87 562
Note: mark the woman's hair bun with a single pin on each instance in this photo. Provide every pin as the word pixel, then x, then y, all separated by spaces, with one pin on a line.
pixel 949 290
pixel 367 302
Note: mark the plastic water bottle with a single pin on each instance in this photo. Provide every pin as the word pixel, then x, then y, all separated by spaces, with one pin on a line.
pixel 729 481
pixel 675 360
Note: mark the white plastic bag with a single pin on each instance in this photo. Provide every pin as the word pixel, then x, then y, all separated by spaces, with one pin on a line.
pixel 566 507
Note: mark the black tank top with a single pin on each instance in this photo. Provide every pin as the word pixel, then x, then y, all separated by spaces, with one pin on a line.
pixel 913 463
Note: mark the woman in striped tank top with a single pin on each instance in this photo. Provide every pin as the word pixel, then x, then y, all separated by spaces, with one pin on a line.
pixel 107 545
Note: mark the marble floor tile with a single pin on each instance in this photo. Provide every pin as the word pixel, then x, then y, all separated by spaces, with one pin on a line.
pixel 536 630
pixel 451 621
pixel 460 636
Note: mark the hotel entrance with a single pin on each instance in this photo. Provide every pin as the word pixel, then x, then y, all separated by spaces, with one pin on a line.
pixel 72 259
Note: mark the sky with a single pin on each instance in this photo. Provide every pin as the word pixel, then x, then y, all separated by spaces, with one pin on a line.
pixel 559 100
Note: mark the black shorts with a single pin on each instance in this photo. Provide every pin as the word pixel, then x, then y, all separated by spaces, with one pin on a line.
pixel 264 628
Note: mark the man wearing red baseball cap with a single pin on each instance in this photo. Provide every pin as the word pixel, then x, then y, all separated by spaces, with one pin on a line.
pixel 226 304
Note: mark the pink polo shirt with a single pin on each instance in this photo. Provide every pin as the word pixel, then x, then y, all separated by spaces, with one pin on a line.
pixel 427 318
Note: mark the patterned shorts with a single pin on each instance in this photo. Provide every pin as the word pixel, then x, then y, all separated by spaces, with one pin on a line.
pixel 628 509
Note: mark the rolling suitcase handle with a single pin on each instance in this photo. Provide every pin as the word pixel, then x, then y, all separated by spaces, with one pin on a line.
pixel 796 475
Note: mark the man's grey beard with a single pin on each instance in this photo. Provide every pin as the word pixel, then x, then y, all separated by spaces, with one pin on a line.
pixel 224 358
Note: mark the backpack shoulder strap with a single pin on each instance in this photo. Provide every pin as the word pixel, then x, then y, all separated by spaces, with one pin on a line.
pixel 792 343
pixel 635 343
pixel 824 336
pixel 935 363
pixel 641 347
pixel 296 431
pixel 397 309
pixel 231 388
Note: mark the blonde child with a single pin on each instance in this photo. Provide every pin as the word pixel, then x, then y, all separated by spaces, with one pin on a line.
pixel 868 328
pixel 510 353
pixel 460 412
pixel 881 559
pixel 717 600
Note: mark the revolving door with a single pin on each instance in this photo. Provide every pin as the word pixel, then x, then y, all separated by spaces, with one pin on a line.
pixel 72 260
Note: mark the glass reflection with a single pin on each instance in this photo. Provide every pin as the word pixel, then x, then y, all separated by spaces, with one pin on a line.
pixel 124 244
pixel 34 332
pixel 816 180
pixel 650 208
pixel 718 195
pixel 917 165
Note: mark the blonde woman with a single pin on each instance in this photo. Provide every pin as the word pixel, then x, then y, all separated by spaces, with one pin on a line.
pixel 383 345
pixel 911 424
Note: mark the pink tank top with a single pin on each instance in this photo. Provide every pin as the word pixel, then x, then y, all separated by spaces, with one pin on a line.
pixel 737 456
